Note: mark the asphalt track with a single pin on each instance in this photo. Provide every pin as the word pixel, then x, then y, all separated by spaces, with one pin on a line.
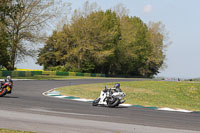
pixel 27 109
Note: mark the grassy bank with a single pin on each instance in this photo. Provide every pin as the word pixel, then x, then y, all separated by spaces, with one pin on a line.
pixel 13 131
pixel 184 95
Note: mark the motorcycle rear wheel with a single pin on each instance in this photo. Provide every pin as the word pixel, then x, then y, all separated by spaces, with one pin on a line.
pixel 3 92
pixel 114 103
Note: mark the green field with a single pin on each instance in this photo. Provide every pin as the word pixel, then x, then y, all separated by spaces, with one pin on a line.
pixel 177 95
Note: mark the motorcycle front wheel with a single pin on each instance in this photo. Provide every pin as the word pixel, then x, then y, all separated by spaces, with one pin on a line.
pixel 95 102
pixel 3 92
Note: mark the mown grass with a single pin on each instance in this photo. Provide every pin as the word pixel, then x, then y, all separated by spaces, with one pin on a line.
pixel 182 95
pixel 13 131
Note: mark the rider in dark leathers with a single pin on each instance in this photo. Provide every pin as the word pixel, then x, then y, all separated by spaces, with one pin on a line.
pixel 8 79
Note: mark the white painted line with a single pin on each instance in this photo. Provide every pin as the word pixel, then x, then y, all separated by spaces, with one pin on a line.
pixel 83 100
pixel 60 96
pixel 126 105
pixel 166 109
pixel 53 93
pixel 178 110
pixel 182 110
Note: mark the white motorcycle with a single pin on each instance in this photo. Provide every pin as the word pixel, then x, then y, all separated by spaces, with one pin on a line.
pixel 110 97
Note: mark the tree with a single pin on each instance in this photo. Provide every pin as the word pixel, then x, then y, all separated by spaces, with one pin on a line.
pixel 134 46
pixel 95 38
pixel 142 46
pixel 55 52
pixel 86 46
pixel 25 24
pixel 108 42
pixel 5 8
pixel 159 41
pixel 120 10
pixel 3 49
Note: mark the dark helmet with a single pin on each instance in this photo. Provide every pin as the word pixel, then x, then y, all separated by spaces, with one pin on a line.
pixel 117 85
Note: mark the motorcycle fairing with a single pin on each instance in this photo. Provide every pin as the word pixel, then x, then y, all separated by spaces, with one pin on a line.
pixel 103 98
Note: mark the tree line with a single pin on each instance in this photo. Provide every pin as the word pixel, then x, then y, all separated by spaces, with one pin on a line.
pixel 21 24
pixel 94 41
pixel 108 42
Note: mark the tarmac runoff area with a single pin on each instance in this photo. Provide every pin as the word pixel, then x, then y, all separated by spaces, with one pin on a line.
pixel 56 94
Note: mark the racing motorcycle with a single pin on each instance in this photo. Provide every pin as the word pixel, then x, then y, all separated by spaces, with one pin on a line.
pixel 110 97
pixel 6 87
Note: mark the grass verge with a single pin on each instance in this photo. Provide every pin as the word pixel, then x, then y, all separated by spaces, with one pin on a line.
pixel 13 131
pixel 177 95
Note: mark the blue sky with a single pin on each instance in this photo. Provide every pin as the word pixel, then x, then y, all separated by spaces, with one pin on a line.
pixel 182 21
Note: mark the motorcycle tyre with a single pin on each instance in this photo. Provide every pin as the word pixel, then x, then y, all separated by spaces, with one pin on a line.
pixel 114 104
pixel 3 92
pixel 95 102
pixel 120 103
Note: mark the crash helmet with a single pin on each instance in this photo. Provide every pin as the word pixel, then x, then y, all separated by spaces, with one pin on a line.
pixel 8 77
pixel 117 85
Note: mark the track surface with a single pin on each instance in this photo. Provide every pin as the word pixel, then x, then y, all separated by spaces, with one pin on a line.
pixel 28 109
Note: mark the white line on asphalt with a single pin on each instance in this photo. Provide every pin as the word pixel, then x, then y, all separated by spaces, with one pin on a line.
pixel 178 110
pixel 52 92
